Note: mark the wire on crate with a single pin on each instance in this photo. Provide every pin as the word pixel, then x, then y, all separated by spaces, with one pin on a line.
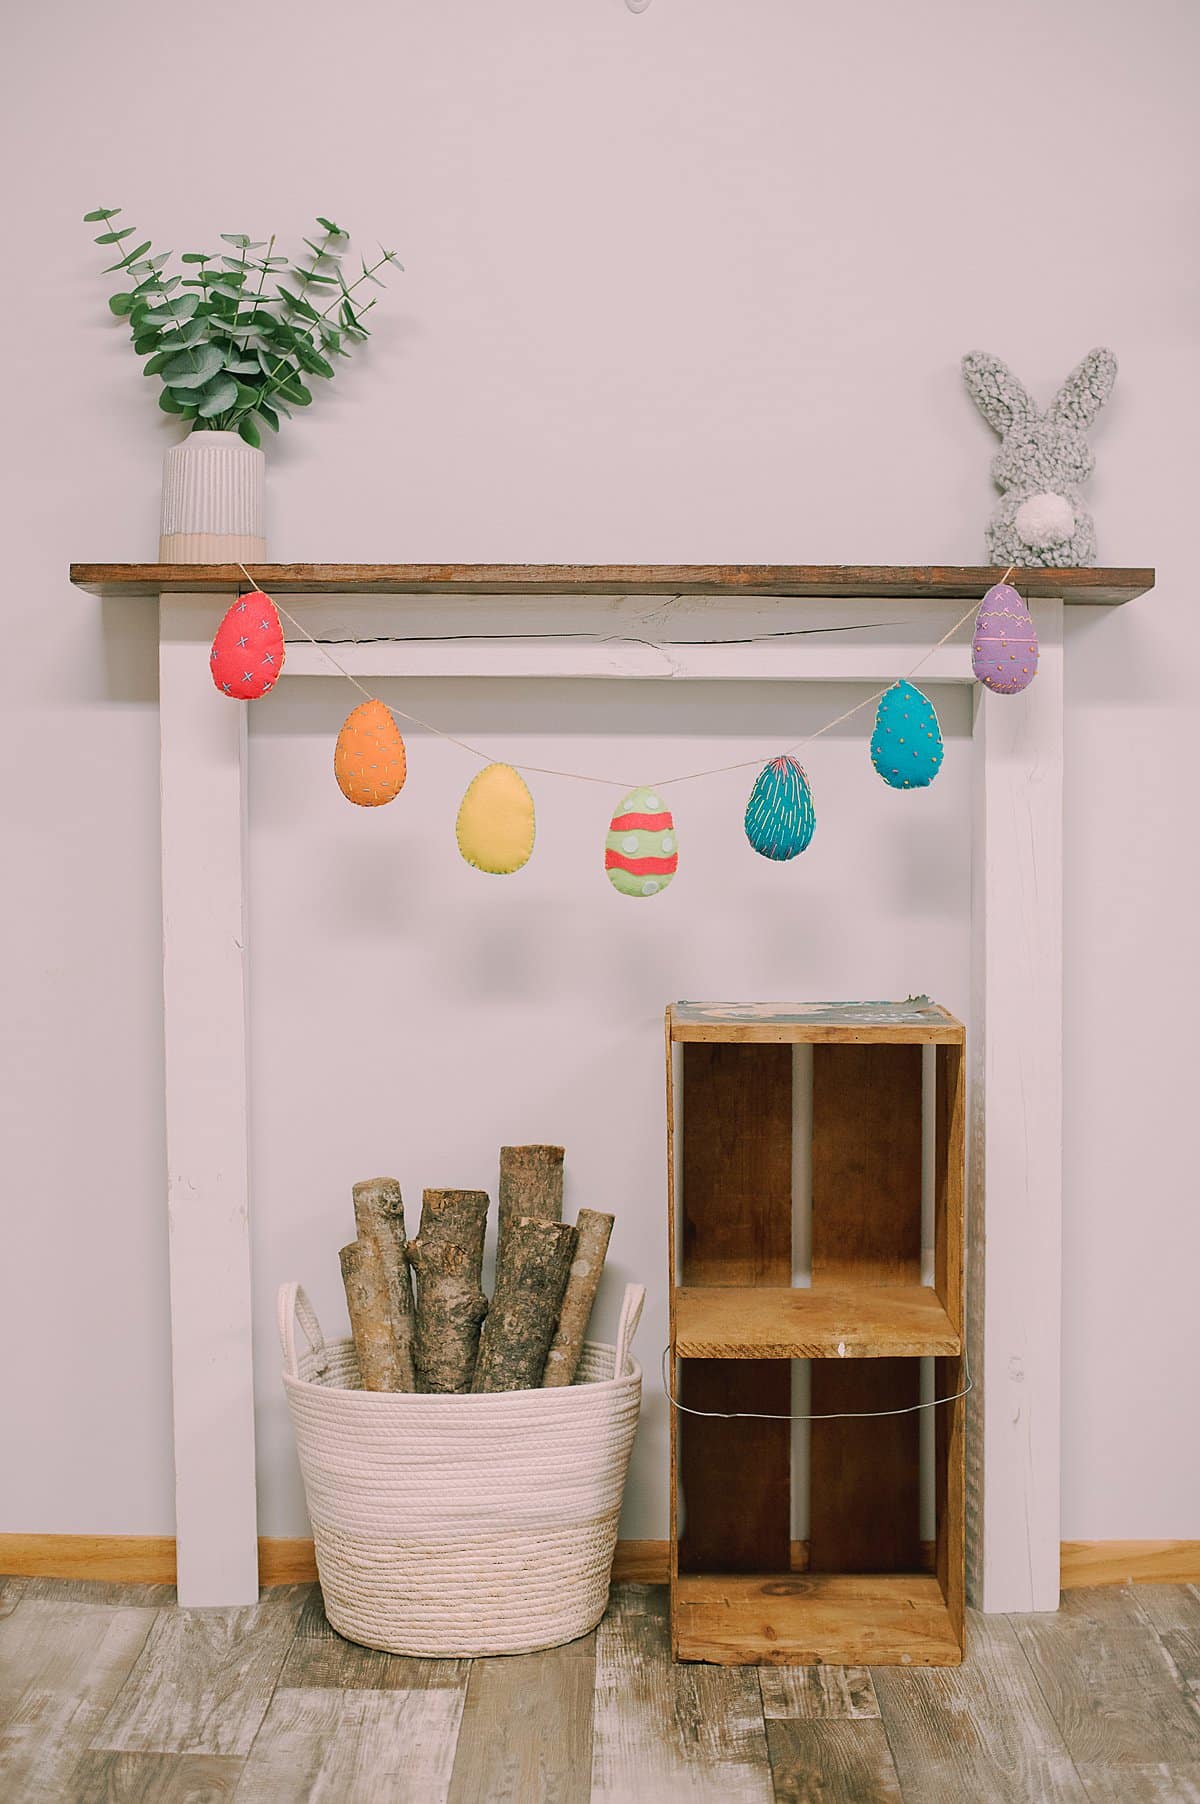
pixel 833 1415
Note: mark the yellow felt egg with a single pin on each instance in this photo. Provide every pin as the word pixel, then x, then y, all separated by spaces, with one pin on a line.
pixel 368 760
pixel 495 821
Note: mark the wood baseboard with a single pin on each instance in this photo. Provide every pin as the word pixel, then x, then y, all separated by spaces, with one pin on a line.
pixel 150 1560
pixel 127 1559
pixel 1129 1563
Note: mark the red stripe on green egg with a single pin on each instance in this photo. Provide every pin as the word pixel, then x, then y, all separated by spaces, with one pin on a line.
pixel 640 853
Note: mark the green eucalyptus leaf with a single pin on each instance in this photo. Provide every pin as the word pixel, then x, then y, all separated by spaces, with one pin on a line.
pixel 145 342
pixel 242 367
pixel 294 391
pixel 327 225
pixel 192 369
pixel 156 363
pixel 194 332
pixel 249 431
pixel 132 257
pixel 196 257
pixel 168 403
pixel 120 304
pixel 238 238
pixel 99 213
pixel 269 415
pixel 115 237
pixel 298 303
pixel 315 364
pixel 216 396
pixel 179 308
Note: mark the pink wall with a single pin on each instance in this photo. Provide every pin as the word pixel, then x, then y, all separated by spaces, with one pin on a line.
pixel 691 285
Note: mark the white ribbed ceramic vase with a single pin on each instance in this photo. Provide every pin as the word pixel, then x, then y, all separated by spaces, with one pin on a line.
pixel 213 496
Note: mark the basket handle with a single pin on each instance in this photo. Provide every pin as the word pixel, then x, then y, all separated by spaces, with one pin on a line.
pixel 294 1307
pixel 631 1315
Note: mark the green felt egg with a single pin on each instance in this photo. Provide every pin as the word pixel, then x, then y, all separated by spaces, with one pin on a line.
pixel 640 855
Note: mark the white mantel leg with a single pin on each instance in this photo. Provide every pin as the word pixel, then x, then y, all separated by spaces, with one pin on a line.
pixel 204 980
pixel 1015 1187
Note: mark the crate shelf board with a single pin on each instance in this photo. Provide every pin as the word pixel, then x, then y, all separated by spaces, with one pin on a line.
pixel 910 582
pixel 848 1619
pixel 867 1321
pixel 915 1021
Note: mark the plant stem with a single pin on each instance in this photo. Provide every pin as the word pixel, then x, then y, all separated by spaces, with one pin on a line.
pixel 271 387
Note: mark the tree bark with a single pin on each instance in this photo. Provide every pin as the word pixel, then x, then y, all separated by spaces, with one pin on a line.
pixel 562 1361
pixel 379 1217
pixel 450 1307
pixel 530 1280
pixel 531 1183
pixel 459 1216
pixel 369 1304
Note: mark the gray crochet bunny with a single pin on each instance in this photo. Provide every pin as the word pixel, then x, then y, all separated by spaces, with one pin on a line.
pixel 1043 457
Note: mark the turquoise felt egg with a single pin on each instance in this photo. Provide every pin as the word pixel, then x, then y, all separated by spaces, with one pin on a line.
pixel 780 817
pixel 906 746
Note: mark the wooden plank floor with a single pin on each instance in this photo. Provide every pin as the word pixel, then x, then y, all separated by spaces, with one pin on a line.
pixel 111 1695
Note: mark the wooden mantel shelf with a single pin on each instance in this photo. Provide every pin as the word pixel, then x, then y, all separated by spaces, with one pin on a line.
pixel 907 582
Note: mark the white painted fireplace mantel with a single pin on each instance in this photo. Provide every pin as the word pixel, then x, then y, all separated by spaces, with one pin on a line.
pixel 629 623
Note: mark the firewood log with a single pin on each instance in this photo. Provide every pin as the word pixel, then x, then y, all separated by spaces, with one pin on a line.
pixel 531 1183
pixel 457 1215
pixel 379 1217
pixel 450 1307
pixel 530 1280
pixel 369 1303
pixel 593 1230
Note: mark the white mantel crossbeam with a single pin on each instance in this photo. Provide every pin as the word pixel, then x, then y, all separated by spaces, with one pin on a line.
pixel 1015 1028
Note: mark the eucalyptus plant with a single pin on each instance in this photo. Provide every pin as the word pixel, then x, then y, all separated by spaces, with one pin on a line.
pixel 237 339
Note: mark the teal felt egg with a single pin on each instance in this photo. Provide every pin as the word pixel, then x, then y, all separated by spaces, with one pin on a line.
pixel 780 817
pixel 906 746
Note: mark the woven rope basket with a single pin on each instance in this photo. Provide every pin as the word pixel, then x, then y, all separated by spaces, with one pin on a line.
pixel 461 1525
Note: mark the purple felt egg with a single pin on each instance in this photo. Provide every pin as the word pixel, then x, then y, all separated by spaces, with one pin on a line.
pixel 1004 651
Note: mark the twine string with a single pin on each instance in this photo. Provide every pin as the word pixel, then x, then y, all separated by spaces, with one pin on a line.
pixel 575 776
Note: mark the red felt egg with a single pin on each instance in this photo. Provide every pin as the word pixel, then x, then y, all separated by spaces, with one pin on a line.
pixel 247 649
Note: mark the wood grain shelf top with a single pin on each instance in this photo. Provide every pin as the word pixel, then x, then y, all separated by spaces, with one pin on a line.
pixel 914 582
pixel 917 1020
pixel 867 1321
pixel 843 1619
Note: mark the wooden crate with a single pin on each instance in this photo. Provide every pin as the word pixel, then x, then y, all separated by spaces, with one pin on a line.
pixel 861 1590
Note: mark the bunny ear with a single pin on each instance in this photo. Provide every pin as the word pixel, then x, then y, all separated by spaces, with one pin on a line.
pixel 1003 401
pixel 1085 390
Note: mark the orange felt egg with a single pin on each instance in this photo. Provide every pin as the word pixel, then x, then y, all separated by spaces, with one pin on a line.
pixel 368 760
pixel 247 649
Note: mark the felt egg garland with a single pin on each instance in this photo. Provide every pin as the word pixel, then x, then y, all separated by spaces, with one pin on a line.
pixel 906 746
pixel 780 817
pixel 495 821
pixel 640 854
pixel 1004 651
pixel 247 649
pixel 369 760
